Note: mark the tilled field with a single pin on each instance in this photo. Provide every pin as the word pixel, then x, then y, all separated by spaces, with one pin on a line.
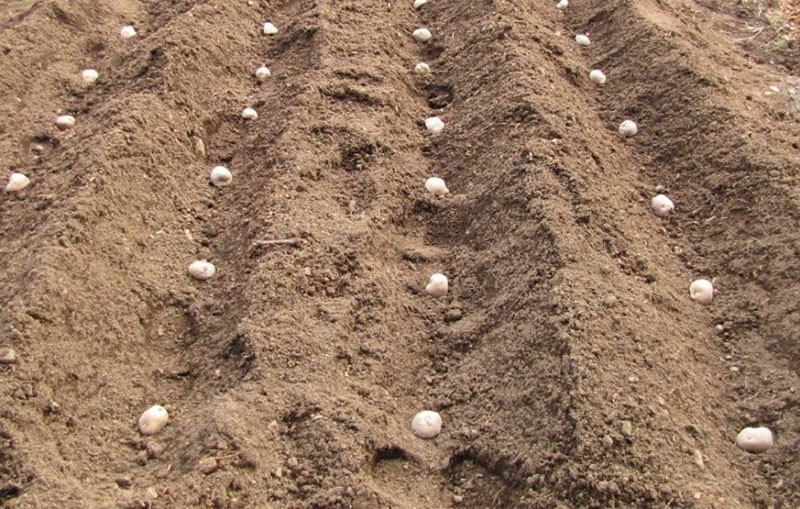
pixel 568 362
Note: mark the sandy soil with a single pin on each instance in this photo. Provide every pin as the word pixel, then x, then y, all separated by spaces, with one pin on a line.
pixel 569 365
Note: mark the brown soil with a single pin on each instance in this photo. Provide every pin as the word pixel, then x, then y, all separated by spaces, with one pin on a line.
pixel 569 365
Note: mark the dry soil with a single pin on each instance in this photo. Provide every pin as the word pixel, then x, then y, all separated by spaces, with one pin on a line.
pixel 568 363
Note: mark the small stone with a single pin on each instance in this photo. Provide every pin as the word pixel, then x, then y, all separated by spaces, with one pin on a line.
pixel 453 315
pixel 719 328
pixel 38 148
pixel 660 188
pixel 124 482
pixel 8 356
pixel 457 499
pixel 293 464
pixel 608 441
pixel 207 465
pixel 610 301
pixel 627 428
pixel 697 457
pixel 200 147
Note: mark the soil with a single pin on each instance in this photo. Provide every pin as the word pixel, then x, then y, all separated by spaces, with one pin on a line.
pixel 568 363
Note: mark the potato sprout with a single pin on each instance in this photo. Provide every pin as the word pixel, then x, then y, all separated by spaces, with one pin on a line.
pixel 89 75
pixel 153 419
pixel 422 34
pixel 249 114
pixel 419 3
pixel 582 40
pixel 662 206
pixel 562 4
pixel 201 269
pixel 65 122
pixel 270 29
pixel 426 424
pixel 597 76
pixel 436 186
pixel 434 124
pixel 437 285
pixel 755 439
pixel 422 69
pixel 220 176
pixel 263 73
pixel 628 128
pixel 127 32
pixel 701 291
pixel 17 182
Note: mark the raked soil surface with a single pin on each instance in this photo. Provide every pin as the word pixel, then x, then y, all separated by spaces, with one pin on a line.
pixel 569 364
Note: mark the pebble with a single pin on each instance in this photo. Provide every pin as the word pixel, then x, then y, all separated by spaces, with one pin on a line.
pixel 124 482
pixel 453 315
pixel 697 457
pixel 457 499
pixel 8 356
pixel 200 147
pixel 608 441
pixel 627 428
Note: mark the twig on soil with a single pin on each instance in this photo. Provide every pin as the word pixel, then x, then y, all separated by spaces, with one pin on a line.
pixel 294 242
pixel 229 456
pixel 756 34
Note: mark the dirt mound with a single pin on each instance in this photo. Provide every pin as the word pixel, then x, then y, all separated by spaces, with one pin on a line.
pixel 569 365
